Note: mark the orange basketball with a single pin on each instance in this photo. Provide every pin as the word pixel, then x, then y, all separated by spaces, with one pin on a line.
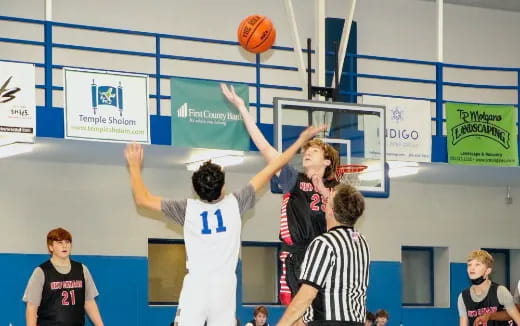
pixel 256 33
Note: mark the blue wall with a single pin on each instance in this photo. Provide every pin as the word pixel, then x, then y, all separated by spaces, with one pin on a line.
pixel 123 286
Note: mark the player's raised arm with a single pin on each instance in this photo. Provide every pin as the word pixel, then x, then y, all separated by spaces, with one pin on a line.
pixel 259 180
pixel 134 156
pixel 268 152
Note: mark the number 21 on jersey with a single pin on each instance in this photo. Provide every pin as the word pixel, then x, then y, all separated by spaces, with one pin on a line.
pixel 220 222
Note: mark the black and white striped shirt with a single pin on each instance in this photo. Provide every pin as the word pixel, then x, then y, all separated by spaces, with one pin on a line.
pixel 336 263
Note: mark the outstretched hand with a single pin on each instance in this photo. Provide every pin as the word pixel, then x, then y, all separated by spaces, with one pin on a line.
pixel 134 155
pixel 311 131
pixel 232 96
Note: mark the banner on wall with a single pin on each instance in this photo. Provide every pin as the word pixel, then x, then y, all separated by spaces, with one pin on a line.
pixel 482 134
pixel 102 106
pixel 17 102
pixel 202 116
pixel 408 129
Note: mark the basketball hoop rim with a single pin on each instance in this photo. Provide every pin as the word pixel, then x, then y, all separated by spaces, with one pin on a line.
pixel 350 168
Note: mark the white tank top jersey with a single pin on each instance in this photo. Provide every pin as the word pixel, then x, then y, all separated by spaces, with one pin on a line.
pixel 212 235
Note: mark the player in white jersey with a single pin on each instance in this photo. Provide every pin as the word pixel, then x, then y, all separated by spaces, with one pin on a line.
pixel 212 226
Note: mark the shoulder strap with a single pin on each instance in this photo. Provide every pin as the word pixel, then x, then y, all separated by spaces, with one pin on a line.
pixel 45 266
pixel 466 297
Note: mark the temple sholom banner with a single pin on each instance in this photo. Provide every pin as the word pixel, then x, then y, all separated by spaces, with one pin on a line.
pixel 102 106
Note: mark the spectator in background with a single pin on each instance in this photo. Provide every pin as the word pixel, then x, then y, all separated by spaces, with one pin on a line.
pixel 369 321
pixel 381 317
pixel 260 317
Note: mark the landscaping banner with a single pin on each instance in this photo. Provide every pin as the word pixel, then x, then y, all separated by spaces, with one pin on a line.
pixel 482 134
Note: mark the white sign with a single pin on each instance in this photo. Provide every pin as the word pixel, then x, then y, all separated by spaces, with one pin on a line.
pixel 104 106
pixel 408 129
pixel 17 102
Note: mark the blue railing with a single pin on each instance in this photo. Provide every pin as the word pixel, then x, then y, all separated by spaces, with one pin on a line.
pixel 437 80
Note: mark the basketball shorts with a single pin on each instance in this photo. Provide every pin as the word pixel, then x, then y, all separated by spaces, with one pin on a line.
pixel 207 298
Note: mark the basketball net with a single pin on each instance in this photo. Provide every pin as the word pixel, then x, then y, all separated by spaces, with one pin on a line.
pixel 349 174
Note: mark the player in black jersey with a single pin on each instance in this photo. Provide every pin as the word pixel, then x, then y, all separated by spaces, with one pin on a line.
pixel 61 290
pixel 499 315
pixel 305 195
pixel 484 296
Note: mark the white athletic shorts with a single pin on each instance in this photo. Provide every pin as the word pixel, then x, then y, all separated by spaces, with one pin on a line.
pixel 210 298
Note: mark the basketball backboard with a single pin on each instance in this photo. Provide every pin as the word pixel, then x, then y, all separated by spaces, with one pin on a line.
pixel 355 130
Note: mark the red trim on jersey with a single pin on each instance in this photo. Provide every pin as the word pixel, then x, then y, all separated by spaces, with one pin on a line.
pixel 285 235
pixel 285 291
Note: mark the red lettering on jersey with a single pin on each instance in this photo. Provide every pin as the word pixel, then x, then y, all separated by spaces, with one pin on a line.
pixel 75 284
pixel 306 186
pixel 481 311
pixel 56 285
pixel 486 310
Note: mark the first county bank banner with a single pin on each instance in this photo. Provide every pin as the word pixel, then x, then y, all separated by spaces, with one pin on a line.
pixel 482 134
pixel 202 117
pixel 110 107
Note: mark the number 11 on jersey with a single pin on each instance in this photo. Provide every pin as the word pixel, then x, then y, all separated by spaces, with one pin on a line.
pixel 220 222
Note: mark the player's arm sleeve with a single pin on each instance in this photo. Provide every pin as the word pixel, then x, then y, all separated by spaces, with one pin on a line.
pixel 317 264
pixel 90 287
pixel 34 289
pixel 504 297
pixel 246 198
pixel 461 306
pixel 174 210
pixel 287 178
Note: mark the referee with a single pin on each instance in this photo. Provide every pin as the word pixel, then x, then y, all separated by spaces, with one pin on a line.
pixel 334 273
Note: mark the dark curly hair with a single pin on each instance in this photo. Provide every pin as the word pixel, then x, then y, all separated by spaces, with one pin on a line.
pixel 348 204
pixel 208 181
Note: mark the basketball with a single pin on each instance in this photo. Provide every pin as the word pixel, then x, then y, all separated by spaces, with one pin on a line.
pixel 256 33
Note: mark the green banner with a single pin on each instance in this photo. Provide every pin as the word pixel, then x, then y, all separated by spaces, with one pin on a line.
pixel 203 117
pixel 482 134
